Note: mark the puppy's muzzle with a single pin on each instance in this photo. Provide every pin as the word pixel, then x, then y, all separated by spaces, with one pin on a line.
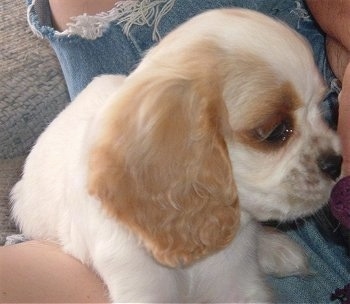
pixel 330 165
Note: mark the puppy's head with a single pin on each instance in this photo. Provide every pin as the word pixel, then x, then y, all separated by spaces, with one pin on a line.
pixel 222 115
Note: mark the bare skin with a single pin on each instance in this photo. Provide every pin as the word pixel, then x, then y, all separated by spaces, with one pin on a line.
pixel 334 18
pixel 40 272
pixel 63 10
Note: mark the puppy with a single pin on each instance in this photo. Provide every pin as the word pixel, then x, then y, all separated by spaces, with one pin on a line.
pixel 158 180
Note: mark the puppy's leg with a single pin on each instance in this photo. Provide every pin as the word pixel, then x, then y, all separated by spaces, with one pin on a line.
pixel 231 275
pixel 130 272
pixel 280 256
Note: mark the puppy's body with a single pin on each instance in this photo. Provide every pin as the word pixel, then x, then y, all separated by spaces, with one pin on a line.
pixel 86 232
pixel 206 79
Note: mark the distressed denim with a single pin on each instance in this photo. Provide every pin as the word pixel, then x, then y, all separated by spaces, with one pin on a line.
pixel 117 46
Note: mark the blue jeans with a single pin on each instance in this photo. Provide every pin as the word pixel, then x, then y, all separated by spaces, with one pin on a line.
pixel 119 46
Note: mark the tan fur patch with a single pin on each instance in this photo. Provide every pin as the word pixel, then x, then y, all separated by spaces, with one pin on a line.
pixel 276 106
pixel 161 166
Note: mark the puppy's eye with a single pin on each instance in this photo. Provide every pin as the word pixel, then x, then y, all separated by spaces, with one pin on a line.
pixel 278 134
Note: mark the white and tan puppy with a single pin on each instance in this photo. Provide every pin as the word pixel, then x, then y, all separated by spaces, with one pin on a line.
pixel 158 180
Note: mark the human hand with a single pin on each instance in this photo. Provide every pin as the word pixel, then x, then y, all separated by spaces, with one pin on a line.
pixel 339 60
pixel 333 16
pixel 344 120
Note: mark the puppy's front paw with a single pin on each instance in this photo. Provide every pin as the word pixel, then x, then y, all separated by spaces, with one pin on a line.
pixel 280 256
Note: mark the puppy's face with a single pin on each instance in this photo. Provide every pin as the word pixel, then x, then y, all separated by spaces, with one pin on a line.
pixel 284 157
pixel 222 116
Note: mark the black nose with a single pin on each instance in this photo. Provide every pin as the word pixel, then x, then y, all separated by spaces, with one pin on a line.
pixel 330 165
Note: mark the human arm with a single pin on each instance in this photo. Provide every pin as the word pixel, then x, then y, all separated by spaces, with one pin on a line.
pixel 39 272
pixel 333 16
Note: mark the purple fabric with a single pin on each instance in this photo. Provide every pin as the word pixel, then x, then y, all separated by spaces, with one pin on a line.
pixel 340 201
pixel 342 294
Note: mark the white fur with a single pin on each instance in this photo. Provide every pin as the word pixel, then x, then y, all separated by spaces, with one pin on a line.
pixel 51 200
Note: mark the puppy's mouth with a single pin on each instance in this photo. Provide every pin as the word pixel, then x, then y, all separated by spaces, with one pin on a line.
pixel 304 191
pixel 308 191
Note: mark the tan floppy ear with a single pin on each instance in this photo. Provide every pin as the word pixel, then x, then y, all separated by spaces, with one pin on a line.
pixel 161 167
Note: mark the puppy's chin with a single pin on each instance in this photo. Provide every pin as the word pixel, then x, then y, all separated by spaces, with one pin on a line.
pixel 288 215
pixel 264 214
pixel 284 208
